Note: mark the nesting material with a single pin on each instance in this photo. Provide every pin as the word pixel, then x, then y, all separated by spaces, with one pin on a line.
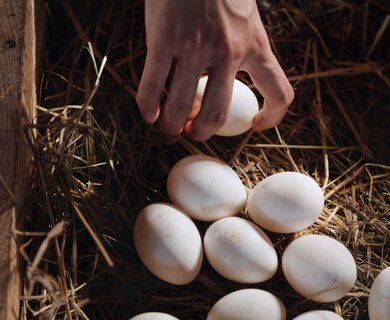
pixel 95 168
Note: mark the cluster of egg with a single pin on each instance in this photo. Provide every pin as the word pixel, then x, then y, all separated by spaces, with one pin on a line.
pixel 203 188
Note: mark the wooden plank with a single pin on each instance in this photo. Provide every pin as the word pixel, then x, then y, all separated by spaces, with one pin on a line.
pixel 12 17
pixel 17 92
pixel 9 275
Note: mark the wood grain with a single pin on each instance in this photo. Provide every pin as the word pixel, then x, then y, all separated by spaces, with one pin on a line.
pixel 12 16
pixel 17 92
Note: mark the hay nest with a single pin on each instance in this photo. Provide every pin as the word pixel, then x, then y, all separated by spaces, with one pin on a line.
pixel 97 164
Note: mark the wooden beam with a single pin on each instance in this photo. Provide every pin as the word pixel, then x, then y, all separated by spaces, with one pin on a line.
pixel 17 93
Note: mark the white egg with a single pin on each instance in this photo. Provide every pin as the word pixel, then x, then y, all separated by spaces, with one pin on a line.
pixel 154 316
pixel 248 304
pixel 240 251
pixel 286 202
pixel 206 188
pixel 319 268
pixel 168 243
pixel 319 315
pixel 243 108
pixel 379 298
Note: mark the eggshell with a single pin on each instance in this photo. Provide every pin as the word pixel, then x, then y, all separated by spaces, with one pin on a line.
pixel 154 316
pixel 240 251
pixel 248 304
pixel 319 315
pixel 379 298
pixel 168 243
pixel 285 202
pixel 319 268
pixel 206 188
pixel 243 108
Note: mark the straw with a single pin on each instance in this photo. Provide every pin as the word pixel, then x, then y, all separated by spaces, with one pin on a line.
pixel 96 164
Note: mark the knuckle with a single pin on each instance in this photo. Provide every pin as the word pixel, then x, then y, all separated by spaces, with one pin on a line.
pixel 148 93
pixel 182 108
pixel 261 51
pixel 150 88
pixel 265 56
pixel 189 47
pixel 235 54
pixel 231 49
pixel 261 43
pixel 286 98
pixel 217 118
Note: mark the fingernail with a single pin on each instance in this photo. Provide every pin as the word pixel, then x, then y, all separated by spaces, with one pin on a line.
pixel 150 117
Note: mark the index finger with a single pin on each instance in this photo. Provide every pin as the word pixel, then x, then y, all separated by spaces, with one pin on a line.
pixel 269 78
pixel 152 83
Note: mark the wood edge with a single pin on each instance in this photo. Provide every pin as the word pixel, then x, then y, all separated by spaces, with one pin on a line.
pixel 12 218
pixel 10 309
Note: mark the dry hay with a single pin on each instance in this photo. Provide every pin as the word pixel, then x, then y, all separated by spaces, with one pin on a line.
pixel 95 167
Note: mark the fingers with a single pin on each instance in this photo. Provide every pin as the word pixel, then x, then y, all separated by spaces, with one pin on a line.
pixel 215 105
pixel 180 99
pixel 152 83
pixel 269 78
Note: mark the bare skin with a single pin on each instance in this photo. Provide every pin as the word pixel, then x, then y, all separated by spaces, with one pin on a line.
pixel 217 36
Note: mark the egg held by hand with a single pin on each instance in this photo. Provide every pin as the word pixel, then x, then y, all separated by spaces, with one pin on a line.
pixel 243 108
pixel 168 243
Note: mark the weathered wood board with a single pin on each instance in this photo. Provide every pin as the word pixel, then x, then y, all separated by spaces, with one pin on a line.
pixel 17 93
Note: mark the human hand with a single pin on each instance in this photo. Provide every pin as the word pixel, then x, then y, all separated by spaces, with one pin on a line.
pixel 221 37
